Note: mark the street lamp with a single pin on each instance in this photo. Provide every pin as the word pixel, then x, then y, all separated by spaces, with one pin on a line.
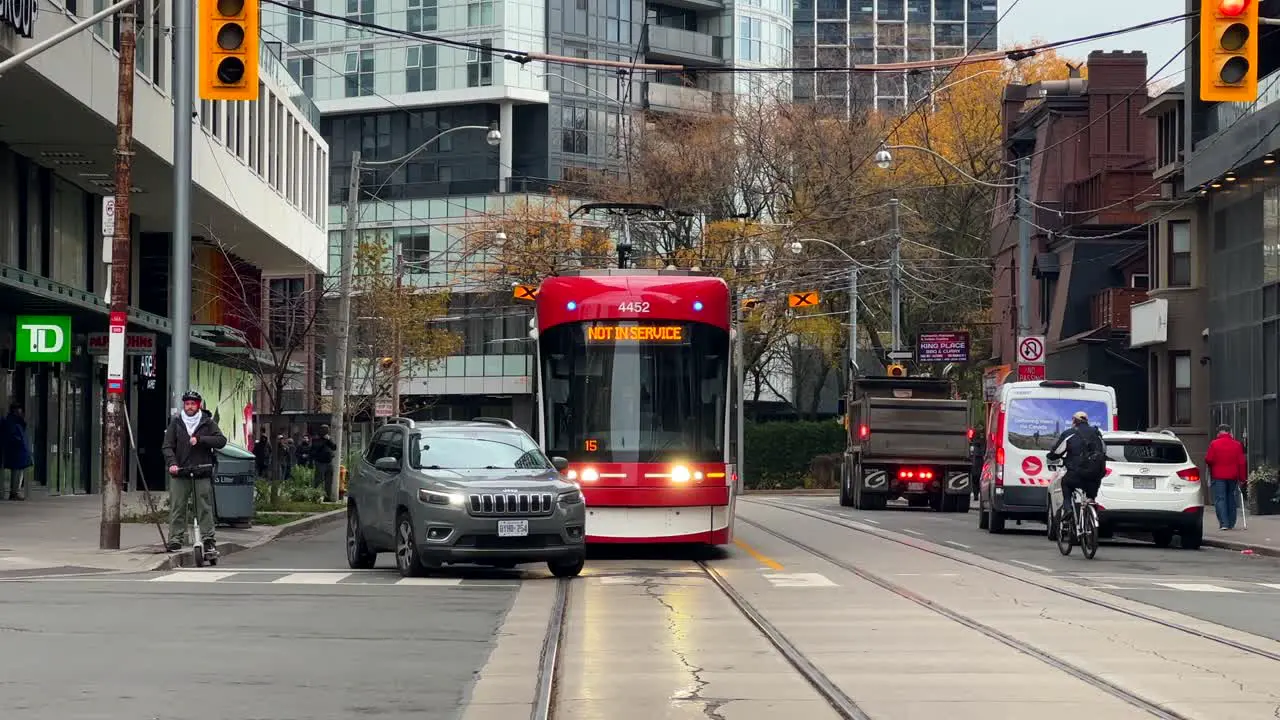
pixel 884 160
pixel 493 137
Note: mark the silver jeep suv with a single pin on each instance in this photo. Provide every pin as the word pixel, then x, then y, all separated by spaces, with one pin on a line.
pixel 478 492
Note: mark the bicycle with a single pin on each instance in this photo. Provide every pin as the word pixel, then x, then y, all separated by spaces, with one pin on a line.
pixel 1081 524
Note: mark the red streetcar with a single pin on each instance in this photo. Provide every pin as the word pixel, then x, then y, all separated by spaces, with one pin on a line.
pixel 634 388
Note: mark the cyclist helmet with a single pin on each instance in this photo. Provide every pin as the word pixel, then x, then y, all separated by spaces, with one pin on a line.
pixel 192 396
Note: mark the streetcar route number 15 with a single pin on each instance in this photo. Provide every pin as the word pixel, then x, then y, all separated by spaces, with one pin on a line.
pixel 633 307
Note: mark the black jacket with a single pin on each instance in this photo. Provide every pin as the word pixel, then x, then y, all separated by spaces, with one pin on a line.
pixel 177 447
pixel 1071 444
pixel 322 449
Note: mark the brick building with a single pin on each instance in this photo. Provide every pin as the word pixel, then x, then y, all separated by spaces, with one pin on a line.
pixel 1091 156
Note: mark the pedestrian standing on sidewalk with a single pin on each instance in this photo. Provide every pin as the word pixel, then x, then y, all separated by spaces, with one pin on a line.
pixel 17 450
pixel 322 452
pixel 1227 469
pixel 189 442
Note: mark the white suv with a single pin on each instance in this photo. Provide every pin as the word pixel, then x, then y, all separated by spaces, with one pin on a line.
pixel 1151 485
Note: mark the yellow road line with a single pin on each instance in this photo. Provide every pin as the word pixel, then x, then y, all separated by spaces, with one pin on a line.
pixel 760 557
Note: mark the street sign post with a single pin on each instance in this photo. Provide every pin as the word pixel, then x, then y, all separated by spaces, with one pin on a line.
pixel 1031 357
pixel 115 354
pixel 803 299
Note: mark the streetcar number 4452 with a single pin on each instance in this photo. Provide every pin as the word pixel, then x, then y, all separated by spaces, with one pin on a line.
pixel 633 307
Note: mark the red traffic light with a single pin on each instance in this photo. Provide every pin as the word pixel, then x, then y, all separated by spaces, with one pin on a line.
pixel 1232 8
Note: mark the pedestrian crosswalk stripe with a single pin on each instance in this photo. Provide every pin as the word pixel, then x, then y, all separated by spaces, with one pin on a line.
pixel 310 579
pixel 1199 587
pixel 436 582
pixel 205 577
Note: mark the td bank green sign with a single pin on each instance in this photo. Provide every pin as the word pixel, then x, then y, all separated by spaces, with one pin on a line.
pixel 44 338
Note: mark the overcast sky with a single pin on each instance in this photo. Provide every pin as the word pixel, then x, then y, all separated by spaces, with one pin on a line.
pixel 1053 20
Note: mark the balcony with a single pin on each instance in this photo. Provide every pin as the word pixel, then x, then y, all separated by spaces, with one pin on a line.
pixel 667 44
pixel 1112 308
pixel 678 98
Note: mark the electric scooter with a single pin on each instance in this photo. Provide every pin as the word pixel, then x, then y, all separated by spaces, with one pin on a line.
pixel 198 552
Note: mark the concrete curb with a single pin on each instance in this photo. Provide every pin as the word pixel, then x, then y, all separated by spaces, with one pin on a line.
pixel 183 559
pixel 1264 550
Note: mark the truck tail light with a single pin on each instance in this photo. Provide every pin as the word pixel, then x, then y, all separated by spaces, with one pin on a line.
pixel 864 432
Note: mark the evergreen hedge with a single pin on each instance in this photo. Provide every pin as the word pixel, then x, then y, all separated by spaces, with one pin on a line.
pixel 779 454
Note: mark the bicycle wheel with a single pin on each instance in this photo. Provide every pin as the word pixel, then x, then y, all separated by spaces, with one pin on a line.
pixel 1089 536
pixel 1066 531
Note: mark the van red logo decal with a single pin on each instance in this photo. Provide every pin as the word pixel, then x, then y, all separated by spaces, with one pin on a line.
pixel 1032 466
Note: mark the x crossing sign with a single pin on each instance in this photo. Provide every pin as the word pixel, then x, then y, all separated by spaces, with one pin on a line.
pixel 803 299
pixel 524 292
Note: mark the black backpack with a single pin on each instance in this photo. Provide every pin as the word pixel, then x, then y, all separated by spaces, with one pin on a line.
pixel 1093 461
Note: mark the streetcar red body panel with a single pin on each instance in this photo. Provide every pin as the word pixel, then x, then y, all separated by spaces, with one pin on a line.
pixel 634 390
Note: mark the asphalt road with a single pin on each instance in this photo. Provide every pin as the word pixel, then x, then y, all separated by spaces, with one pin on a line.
pixel 1220 586
pixel 251 647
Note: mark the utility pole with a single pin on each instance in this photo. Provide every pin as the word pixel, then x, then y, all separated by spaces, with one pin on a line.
pixel 342 352
pixel 1024 247
pixel 895 273
pixel 740 386
pixel 853 324
pixel 180 261
pixel 396 350
pixel 109 530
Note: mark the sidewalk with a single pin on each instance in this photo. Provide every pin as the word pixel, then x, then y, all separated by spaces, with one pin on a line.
pixel 44 533
pixel 1262 536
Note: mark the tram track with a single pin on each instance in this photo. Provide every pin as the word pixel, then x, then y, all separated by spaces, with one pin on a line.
pixel 889 536
pixel 544 697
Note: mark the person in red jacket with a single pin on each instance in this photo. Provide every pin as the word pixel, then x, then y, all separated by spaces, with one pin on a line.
pixel 1227 470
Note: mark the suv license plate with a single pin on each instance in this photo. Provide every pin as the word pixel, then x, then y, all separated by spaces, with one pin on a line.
pixel 513 528
pixel 915 486
pixel 1144 483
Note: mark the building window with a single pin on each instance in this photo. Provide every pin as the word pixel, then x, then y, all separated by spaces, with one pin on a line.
pixel 361 11
pixel 749 39
pixel 1180 253
pixel 420 69
pixel 480 66
pixel 1180 396
pixel 573 133
pixel 421 16
pixel 303 71
pixel 480 12
pixel 302 24
pixel 359 75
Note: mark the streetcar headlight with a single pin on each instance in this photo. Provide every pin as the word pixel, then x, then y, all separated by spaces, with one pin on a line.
pixel 680 474
pixel 590 475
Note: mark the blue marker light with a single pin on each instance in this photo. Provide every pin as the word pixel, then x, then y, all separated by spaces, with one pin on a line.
pixel 697 305
pixel 572 305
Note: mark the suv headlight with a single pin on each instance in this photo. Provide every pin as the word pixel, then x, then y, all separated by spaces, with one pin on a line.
pixel 438 498
pixel 573 497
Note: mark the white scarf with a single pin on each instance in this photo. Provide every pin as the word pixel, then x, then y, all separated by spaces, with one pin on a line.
pixel 191 421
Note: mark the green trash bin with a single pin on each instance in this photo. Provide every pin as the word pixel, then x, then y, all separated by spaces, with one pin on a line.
pixel 233 486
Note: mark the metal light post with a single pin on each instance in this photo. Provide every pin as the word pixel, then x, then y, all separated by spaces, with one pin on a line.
pixel 797 247
pixel 342 333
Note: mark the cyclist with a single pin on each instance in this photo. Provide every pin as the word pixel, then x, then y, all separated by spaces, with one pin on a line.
pixel 1081 449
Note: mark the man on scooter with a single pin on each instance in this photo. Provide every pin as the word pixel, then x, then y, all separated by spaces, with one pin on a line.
pixel 188 447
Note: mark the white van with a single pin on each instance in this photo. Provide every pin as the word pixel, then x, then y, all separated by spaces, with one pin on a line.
pixel 1022 424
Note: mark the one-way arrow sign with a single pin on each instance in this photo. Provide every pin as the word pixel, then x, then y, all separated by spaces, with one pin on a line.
pixel 901 354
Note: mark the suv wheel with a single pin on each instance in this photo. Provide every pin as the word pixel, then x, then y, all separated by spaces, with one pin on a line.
pixel 359 556
pixel 407 560
pixel 567 568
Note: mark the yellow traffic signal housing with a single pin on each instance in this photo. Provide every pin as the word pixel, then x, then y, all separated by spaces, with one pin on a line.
pixel 386 362
pixel 1229 50
pixel 228 51
pixel 750 303
pixel 896 370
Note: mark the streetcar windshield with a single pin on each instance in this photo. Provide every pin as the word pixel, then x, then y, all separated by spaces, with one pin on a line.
pixel 635 392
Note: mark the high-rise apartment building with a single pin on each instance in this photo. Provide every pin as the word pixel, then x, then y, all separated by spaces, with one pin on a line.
pixel 388 96
pixel 840 33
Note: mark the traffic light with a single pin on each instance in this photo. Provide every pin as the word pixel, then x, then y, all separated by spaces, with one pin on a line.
pixel 896 370
pixel 1229 50
pixel 228 50
pixel 386 362
pixel 750 303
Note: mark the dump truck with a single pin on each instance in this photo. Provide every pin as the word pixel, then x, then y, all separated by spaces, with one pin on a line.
pixel 907 438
